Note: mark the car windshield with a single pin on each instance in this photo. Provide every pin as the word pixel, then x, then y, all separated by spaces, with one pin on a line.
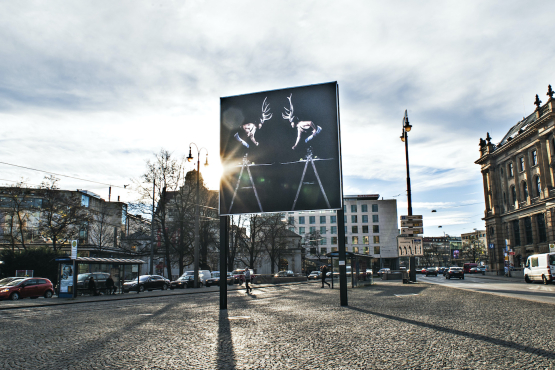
pixel 82 277
pixel 14 282
pixel 186 277
pixel 7 280
pixel 456 268
pixel 215 274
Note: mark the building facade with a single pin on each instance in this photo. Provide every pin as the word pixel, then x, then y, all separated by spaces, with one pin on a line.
pixel 371 228
pixel 519 188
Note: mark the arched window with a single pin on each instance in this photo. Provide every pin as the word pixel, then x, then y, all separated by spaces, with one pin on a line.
pixel 538 186
pixel 525 190
pixel 513 194
pixel 511 171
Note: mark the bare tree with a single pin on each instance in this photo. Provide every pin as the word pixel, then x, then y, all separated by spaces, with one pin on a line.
pixel 252 246
pixel 102 229
pixel 274 229
pixel 17 205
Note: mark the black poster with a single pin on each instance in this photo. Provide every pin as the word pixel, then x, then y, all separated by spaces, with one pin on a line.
pixel 280 151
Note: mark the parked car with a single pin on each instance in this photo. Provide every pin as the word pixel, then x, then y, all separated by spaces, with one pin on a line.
pixel 540 267
pixel 455 272
pixel 99 280
pixel 239 275
pixel 383 271
pixel 431 271
pixel 184 281
pixel 477 270
pixel 285 273
pixel 146 282
pixel 314 275
pixel 422 271
pixel 215 279
pixel 27 288
pixel 202 275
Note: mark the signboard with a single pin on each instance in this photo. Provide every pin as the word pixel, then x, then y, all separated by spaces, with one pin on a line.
pixel 74 249
pixel 412 231
pixel 24 273
pixel 551 248
pixel 66 280
pixel 409 246
pixel 412 223
pixel 280 151
pixel 411 217
pixel 491 245
pixel 134 268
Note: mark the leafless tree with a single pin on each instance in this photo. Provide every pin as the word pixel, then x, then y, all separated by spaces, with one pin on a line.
pixel 274 230
pixel 17 207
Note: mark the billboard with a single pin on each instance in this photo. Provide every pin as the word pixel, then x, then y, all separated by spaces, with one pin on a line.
pixel 280 151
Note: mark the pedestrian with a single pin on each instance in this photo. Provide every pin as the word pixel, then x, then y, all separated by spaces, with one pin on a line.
pixel 92 286
pixel 248 279
pixel 324 273
pixel 110 285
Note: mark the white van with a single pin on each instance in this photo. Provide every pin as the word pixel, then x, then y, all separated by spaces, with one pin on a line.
pixel 540 267
pixel 202 275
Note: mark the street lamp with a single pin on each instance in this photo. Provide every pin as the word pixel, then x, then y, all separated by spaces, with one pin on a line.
pixel 404 138
pixel 197 209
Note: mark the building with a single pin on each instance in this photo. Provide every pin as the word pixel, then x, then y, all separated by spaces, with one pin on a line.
pixel 441 251
pixel 371 229
pixel 474 245
pixel 519 188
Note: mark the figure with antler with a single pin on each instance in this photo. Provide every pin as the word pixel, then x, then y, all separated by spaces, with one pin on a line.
pixel 302 126
pixel 250 128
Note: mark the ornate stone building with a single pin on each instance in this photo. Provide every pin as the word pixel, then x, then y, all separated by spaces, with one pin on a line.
pixel 519 187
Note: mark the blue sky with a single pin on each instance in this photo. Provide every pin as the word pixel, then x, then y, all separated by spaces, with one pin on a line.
pixel 93 88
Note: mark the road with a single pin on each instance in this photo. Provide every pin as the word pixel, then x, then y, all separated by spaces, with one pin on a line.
pixel 506 287
pixel 389 325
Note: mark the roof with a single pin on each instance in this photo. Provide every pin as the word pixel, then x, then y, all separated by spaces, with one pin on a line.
pixel 119 261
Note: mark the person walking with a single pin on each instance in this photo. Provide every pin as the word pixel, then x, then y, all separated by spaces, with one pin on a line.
pixel 324 273
pixel 92 286
pixel 110 286
pixel 248 279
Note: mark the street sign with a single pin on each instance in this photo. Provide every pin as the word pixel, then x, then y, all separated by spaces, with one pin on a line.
pixel 411 217
pixel 409 246
pixel 412 230
pixel 491 245
pixel 412 223
pixel 74 249
pixel 551 248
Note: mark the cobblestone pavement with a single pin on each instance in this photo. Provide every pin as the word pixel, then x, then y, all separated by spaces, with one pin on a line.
pixel 386 326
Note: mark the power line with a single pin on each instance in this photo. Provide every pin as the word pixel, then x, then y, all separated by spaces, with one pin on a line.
pixel 58 174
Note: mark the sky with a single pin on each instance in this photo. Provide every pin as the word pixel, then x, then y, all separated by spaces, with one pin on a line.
pixel 93 89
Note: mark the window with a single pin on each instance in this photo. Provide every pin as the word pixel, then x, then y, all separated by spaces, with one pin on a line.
pixel 504 198
pixel 333 219
pixel 538 186
pixel 301 220
pixel 376 239
pixel 355 239
pixel 312 250
pixel 312 229
pixel 375 228
pixel 84 232
pixel 534 157
pixel 365 219
pixel 513 193
pixel 365 229
pixel 322 229
pixel 291 220
pixel 334 249
pixel 525 190
pixel 334 240
pixel 355 249
pixel 301 230
pixel 84 200
pixel 345 229
pixel 364 207
pixel 345 208
pixel 354 229
pixel 511 171
pixel 353 208
pixel 334 229
pixel 376 250
pixel 541 227
pixel 374 208
pixel 312 220
pixel 323 241
pixel 528 230
pixel 322 219
pixel 345 219
pixel 521 162
pixel 366 250
pixel 375 218
pixel 292 228
pixel 323 250
pixel 365 240
pixel 354 219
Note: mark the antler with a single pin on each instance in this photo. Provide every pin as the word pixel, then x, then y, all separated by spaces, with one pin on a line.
pixel 289 112
pixel 265 110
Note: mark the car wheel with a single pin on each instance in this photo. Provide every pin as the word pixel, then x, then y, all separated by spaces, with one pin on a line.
pixel 48 294
pixel 141 288
pixel 449 277
pixel 544 280
pixel 165 287
pixel 462 277
pixel 14 296
pixel 527 279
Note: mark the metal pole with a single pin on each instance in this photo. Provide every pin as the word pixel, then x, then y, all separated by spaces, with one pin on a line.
pixel 342 258
pixel 197 226
pixel 412 263
pixel 224 244
pixel 152 229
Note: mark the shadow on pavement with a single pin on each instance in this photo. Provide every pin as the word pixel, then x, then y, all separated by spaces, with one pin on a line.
pixel 225 354
pixel 483 338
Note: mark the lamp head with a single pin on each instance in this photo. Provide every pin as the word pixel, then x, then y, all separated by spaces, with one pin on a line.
pixel 407 125
pixel 402 137
pixel 206 163
pixel 190 157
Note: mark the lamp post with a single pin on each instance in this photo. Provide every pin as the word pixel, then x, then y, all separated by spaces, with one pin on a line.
pixel 197 209
pixel 404 138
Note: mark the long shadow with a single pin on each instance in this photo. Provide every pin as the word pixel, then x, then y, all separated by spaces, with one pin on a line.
pixel 534 293
pixel 225 354
pixel 483 338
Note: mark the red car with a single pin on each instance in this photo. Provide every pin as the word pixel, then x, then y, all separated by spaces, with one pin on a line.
pixel 30 287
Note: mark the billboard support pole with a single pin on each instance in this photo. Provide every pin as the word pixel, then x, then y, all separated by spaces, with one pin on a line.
pixel 224 244
pixel 342 257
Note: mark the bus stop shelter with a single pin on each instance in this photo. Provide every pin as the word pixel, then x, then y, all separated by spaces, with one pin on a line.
pixel 356 266
pixel 121 270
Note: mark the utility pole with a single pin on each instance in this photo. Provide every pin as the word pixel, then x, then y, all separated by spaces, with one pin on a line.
pixel 151 269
